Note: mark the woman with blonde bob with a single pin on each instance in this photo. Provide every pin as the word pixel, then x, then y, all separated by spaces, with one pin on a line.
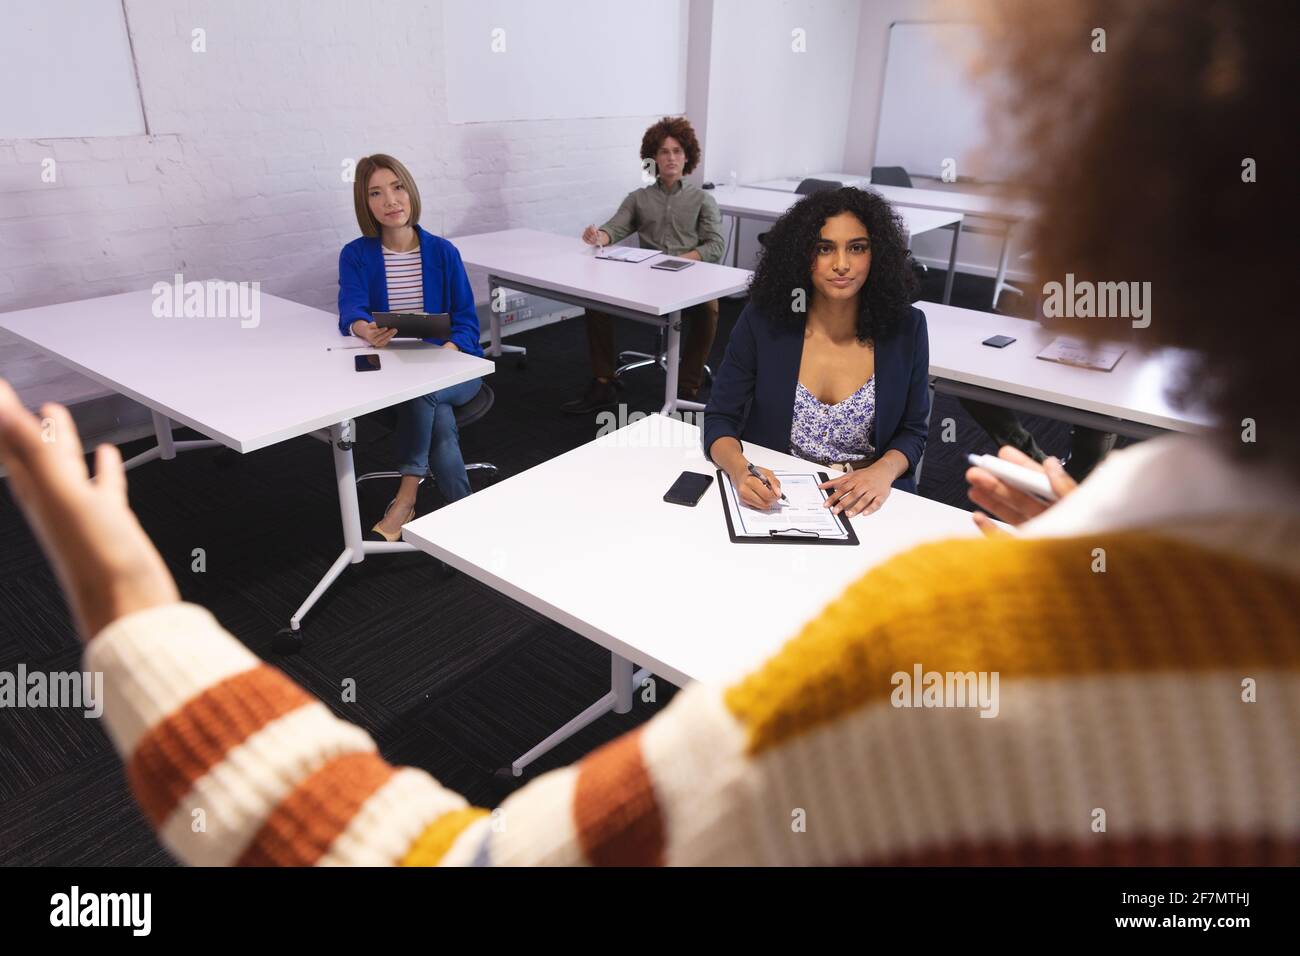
pixel 395 266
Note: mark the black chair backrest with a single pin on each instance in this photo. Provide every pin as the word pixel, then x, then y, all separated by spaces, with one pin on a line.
pixel 806 188
pixel 466 414
pixel 810 186
pixel 890 176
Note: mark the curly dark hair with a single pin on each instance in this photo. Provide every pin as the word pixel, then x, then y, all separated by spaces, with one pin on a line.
pixel 1137 157
pixel 785 264
pixel 680 129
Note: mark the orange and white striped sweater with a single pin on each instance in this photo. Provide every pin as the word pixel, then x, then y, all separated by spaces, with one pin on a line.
pixel 1148 714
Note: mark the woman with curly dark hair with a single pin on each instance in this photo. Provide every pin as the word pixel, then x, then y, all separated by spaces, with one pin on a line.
pixel 829 358
pixel 678 218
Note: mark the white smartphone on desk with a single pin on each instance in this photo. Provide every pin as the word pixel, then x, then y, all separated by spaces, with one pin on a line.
pixel 1017 476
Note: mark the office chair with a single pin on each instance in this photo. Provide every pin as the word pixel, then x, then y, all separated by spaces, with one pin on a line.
pixel 466 415
pixel 890 176
pixel 635 360
pixel 806 188
pixel 897 176
pixel 632 360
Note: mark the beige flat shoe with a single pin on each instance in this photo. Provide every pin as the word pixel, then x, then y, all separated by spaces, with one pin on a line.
pixel 384 534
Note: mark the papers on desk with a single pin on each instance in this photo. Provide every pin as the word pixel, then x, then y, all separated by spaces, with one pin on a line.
pixel 1083 354
pixel 803 519
pixel 626 253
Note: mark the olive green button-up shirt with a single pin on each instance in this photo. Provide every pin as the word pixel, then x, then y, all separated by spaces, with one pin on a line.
pixel 676 223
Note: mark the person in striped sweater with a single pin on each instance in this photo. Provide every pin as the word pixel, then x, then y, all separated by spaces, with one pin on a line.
pixel 1142 631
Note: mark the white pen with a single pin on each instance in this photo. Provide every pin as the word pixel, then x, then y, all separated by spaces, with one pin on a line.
pixel 1017 476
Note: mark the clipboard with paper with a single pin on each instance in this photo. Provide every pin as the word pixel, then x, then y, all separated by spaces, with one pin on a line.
pixel 803 520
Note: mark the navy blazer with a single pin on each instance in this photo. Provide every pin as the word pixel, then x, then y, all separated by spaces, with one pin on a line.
pixel 753 392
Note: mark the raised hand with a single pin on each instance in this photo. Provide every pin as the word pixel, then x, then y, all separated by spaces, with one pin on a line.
pixel 105 562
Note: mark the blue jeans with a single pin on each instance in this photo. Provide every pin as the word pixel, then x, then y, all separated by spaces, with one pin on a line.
pixel 427 438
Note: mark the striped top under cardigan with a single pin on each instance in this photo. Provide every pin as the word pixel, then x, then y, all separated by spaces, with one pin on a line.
pixel 402 272
pixel 1146 714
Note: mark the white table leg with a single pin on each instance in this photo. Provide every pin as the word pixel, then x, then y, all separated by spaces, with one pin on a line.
pixel 341 562
pixel 345 476
pixel 355 549
pixel 674 353
pixel 952 263
pixel 162 427
pixel 167 447
pixel 621 683
pixel 494 330
pixel 495 348
pixel 622 686
pixel 1000 280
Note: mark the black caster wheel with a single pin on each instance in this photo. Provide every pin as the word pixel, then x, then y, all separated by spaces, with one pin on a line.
pixel 521 363
pixel 507 773
pixel 287 641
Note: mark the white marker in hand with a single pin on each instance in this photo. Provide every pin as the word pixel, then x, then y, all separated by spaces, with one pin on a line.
pixel 1019 477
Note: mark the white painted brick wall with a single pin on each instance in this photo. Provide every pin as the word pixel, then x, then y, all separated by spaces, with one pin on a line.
pixel 241 175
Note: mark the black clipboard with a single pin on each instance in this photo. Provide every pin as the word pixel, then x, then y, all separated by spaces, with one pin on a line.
pixel 787 538
pixel 415 325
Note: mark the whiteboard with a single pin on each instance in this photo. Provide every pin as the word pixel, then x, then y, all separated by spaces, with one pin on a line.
pixel 930 108
pixel 66 71
pixel 523 60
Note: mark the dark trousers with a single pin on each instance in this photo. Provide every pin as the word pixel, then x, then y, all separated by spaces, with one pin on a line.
pixel 1087 445
pixel 700 325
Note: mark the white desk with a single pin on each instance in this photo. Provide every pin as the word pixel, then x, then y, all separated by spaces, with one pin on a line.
pixel 1009 213
pixel 748 202
pixel 967 203
pixel 1128 400
pixel 587 540
pixel 565 268
pixel 292 374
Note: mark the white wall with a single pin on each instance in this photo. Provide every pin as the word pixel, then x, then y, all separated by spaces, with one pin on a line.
pixel 772 111
pixel 869 73
pixel 977 254
pixel 523 60
pixel 241 176
pixel 699 39
pixel 86 89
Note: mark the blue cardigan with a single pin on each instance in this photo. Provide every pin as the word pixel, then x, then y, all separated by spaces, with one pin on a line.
pixel 753 392
pixel 363 287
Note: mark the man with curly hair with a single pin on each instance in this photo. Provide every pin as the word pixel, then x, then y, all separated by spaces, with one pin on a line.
pixel 675 217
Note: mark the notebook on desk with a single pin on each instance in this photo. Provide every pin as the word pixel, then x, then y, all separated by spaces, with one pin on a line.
pixel 1082 354
pixel 626 254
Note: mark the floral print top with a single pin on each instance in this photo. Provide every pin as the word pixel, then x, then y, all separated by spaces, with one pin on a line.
pixel 831 434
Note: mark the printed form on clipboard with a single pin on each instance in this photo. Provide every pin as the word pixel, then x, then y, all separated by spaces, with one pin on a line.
pixel 804 519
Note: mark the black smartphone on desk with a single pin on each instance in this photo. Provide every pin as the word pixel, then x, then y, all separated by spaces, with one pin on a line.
pixel 366 363
pixel 998 341
pixel 688 489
